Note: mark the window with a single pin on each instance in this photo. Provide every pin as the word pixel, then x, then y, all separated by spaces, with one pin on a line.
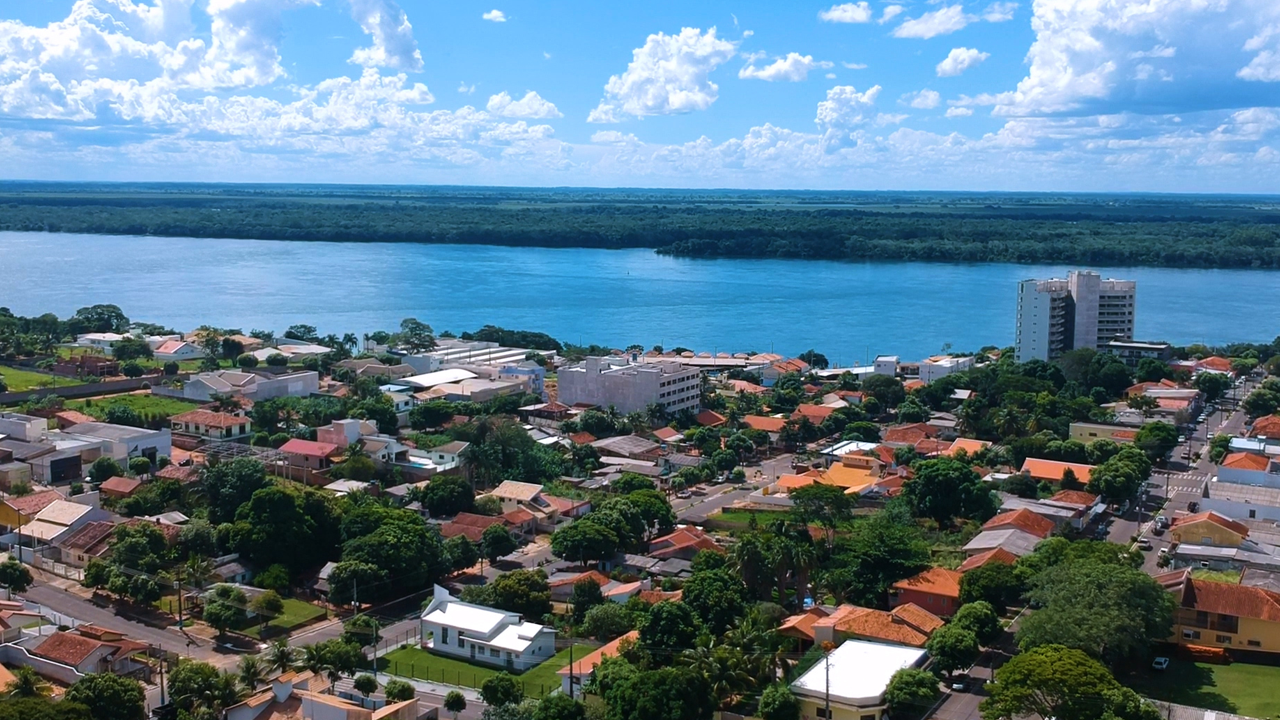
pixel 495 652
pixel 444 636
pixel 460 643
pixel 1254 643
pixel 1190 634
pixel 867 717
pixel 1223 639
pixel 1253 514
pixel 822 713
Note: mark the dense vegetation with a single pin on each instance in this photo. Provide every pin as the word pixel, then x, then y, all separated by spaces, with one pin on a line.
pixel 1089 230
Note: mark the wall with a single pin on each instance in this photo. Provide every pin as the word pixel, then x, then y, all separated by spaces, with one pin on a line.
pixel 809 711
pixel 18 655
pixel 1205 533
pixel 1266 633
pixel 1032 337
pixel 112 387
pixel 1237 510
pixel 1248 477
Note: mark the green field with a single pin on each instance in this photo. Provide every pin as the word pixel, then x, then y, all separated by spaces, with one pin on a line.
pixel 1248 690
pixel 143 403
pixel 296 614
pixel 23 380
pixel 418 663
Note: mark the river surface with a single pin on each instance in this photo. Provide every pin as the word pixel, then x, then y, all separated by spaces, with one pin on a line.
pixel 848 311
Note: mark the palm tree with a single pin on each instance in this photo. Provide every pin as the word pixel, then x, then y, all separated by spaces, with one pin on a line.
pixel 313 659
pixel 280 657
pixel 251 672
pixel 221 694
pixel 26 683
pixel 723 667
pixel 351 341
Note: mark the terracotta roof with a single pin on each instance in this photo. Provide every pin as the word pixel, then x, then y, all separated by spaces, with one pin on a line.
pixel 682 539
pixel 912 433
pixel 74 417
pixel 1230 599
pixel 1054 470
pixel 1268 426
pixel 653 597
pixel 209 418
pixel 930 446
pixel 1075 497
pixel 89 535
pixel 563 504
pixel 588 663
pixel 792 365
pixel 1213 362
pixel 1246 461
pixel 582 438
pixel 1021 519
pixel 793 482
pixel 815 413
pixel 999 555
pixel 595 575
pixel 120 486
pixel 519 516
pixel 801 625
pixel 470 525
pixel 1236 527
pixel 66 648
pixel 666 434
pixel 911 626
pixel 308 448
pixel 744 386
pixel 709 418
pixel 767 424
pixel 913 384
pixel 969 445
pixel 183 474
pixel 935 581
pixel 29 505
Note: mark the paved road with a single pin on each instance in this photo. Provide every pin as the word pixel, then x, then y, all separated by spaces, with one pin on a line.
pixel 697 509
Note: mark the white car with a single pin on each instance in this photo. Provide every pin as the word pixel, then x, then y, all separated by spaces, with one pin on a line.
pixel 1160 663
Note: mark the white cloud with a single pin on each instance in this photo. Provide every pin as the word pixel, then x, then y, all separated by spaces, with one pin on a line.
pixel 890 119
pixel 932 24
pixel 495 15
pixel 923 100
pixel 466 89
pixel 953 112
pixel 667 76
pixel 859 12
pixel 792 68
pixel 890 12
pixel 613 137
pixel 999 11
pixel 830 76
pixel 531 106
pixel 959 60
pixel 845 106
pixel 393 42
pixel 854 66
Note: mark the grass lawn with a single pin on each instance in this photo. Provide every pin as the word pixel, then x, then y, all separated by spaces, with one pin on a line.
pixel 143 403
pixel 296 613
pixel 729 519
pixel 1239 688
pixel 23 380
pixel 418 663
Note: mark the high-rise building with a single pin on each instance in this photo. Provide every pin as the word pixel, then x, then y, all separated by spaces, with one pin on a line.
pixel 1083 311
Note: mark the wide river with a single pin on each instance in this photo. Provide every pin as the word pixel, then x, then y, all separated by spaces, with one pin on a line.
pixel 614 297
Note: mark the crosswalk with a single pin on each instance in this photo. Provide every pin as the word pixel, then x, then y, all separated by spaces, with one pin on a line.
pixel 1184 482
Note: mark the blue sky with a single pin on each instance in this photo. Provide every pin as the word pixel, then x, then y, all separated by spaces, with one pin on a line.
pixel 1087 95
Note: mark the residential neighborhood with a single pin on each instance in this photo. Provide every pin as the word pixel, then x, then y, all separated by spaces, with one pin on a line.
pixel 398 525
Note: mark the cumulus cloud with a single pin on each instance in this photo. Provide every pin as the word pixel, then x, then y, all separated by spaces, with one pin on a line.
pixel 890 12
pixel 669 75
pixel 845 106
pixel 531 106
pixel 890 119
pixel 495 15
pixel 999 11
pixel 932 24
pixel 923 100
pixel 953 112
pixel 854 66
pixel 466 89
pixel 959 60
pixel 859 12
pixel 393 42
pixel 613 137
pixel 792 68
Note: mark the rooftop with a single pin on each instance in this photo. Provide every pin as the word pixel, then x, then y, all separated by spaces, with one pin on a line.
pixel 935 580
pixel 857 672
pixel 308 448
pixel 108 431
pixel 209 418
pixel 1024 520
pixel 1054 470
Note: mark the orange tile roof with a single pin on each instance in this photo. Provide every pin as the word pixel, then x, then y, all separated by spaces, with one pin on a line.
pixel 594 575
pixel 851 478
pixel 29 505
pixel 582 438
pixel 709 418
pixel 308 448
pixel 815 413
pixel 767 424
pixel 666 434
pixel 912 626
pixel 1021 519
pixel 935 581
pixel 930 447
pixel 74 417
pixel 1230 599
pixel 912 433
pixel 209 418
pixel 653 597
pixel 913 384
pixel 184 475
pixel 120 486
pixel 999 555
pixel 969 445
pixel 1075 497
pixel 744 386
pixel 1053 470
pixel 1268 426
pixel 792 365
pixel 1215 363
pixel 793 482
pixel 587 664
pixel 1212 517
pixel 801 625
pixel 1246 461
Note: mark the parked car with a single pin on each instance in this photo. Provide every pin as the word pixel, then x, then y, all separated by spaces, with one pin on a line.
pixel 961 683
pixel 1144 544
pixel 1160 663
pixel 1193 507
pixel 684 494
pixel 1162 522
pixel 1163 551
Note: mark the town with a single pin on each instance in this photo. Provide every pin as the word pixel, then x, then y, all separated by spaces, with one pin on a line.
pixel 228 523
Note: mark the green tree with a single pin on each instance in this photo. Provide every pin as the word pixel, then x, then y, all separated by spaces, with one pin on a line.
pixel 1063 683
pixel 280 656
pixel 131 369
pixel 669 627
pixel 994 583
pixel 26 684
pixel 716 597
pixel 822 504
pixel 653 506
pixel 462 552
pixel 522 591
pixel 981 619
pixel 584 541
pixel 275 577
pixel 14 576
pixel 277 360
pixel 104 468
pixel 361 630
pixel 888 391
pixel 1261 402
pixel 130 349
pixel 778 703
pixel 415 336
pixel 224 607
pixel 268 605
pixel 454 703
pixel 251 673
pixel 496 542
pixel 398 691
pixel 952 648
pixel 1213 385
pixel 945 489
pixel 365 684
pixel 18 708
pixel 501 689
pixel 103 318
pixel 668 693
pixel 431 414
pixel 607 621
pixel 560 707
pixel 247 361
pixel 586 595
pixel 911 691
pixel 1156 439
pixel 228 485
pixel 448 495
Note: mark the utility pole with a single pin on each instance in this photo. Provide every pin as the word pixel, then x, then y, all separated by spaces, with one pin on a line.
pixel 826 662
pixel 571 678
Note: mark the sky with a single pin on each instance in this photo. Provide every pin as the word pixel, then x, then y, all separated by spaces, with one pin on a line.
pixel 1053 95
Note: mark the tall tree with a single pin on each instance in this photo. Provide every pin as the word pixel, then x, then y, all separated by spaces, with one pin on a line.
pixel 945 489
pixel 1063 683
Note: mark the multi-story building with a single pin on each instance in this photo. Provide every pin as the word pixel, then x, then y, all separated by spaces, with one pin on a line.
pixel 1082 311
pixel 1133 352
pixel 631 386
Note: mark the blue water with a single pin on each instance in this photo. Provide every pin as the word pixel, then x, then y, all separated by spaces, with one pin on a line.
pixel 611 297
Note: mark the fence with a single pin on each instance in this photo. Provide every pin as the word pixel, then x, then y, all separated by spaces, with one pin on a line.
pixel 388 644
pixel 464 678
pixel 71 392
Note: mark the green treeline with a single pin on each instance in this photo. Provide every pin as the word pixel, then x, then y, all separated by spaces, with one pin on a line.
pixel 1198 232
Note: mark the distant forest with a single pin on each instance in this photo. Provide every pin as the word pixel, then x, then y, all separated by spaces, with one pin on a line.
pixel 1095 230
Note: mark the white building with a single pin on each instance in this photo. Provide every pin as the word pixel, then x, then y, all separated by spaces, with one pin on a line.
pixel 178 350
pixel 1241 502
pixel 886 365
pixel 484 635
pixel 105 342
pixel 943 365
pixel 124 442
pixel 1083 311
pixel 452 352
pixel 255 386
pixel 631 386
pixel 851 680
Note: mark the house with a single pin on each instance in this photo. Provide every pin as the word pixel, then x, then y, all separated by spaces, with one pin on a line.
pixel 105 342
pixel 92 649
pixel 936 590
pixel 1062 514
pixel 177 351
pixel 632 447
pixel 1024 520
pixel 484 635
pixel 710 419
pixel 852 680
pixel 580 671
pixel 124 442
pixel 1267 427
pixel 744 386
pixel 306 696
pixel 1011 539
pixel 182 474
pixel 513 494
pixel 59 520
pixel 909 434
pixel 345 432
pixel 1052 471
pixel 800 625
pixel 1087 432
pixel 977 560
pixel 119 487
pixel 471 525
pixel 683 543
pixel 667 436
pixel 813 413
pixel 1246 468
pixel 940 366
pixel 16 511
pixel 907 624
pixel 968 445
pixel 1209 528
pixel 1238 502
pixel 770 374
pixel 449 455
pixel 309 454
pixel 1224 615
pixel 372 367
pixel 210 425
pixel 66 418
pixel 92 541
pixel 253 385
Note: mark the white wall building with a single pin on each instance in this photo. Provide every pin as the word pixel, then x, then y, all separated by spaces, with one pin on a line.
pixel 631 386
pixel 1082 311
pixel 942 365
pixel 1241 502
pixel 851 680
pixel 484 635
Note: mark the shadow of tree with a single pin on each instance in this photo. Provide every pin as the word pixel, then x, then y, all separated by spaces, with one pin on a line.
pixel 1184 683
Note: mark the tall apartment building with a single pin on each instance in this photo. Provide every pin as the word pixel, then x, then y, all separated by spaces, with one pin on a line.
pixel 1082 311
pixel 631 386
